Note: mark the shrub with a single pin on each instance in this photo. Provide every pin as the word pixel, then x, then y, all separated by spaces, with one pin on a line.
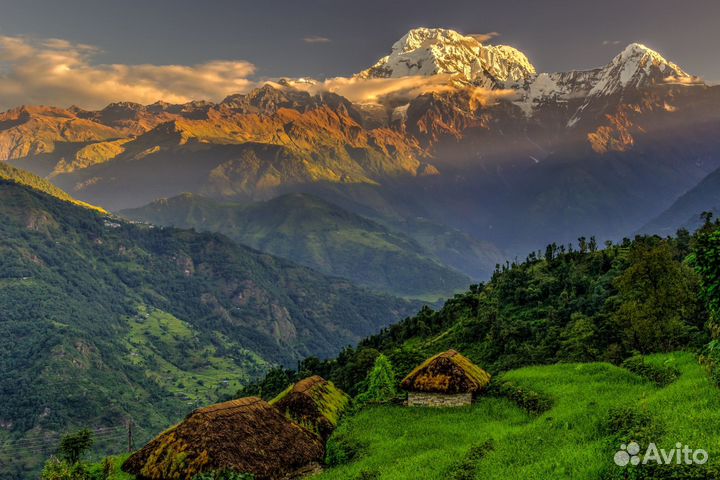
pixel 627 424
pixel 660 375
pixel 466 468
pixel 710 359
pixel 532 402
pixel 57 469
pixel 109 469
pixel 341 449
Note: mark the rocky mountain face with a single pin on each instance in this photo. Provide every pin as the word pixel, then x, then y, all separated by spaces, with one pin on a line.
pixel 488 145
pixel 247 145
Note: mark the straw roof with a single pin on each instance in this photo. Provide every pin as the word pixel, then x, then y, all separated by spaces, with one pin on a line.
pixel 447 372
pixel 314 403
pixel 245 435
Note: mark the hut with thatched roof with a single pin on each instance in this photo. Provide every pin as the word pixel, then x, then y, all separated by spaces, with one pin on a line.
pixel 446 380
pixel 246 435
pixel 314 403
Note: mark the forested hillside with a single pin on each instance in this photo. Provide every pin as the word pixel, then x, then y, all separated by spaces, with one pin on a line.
pixel 104 321
pixel 570 303
pixel 313 232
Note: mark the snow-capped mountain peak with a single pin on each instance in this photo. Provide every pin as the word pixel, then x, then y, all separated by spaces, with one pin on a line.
pixel 636 66
pixel 437 51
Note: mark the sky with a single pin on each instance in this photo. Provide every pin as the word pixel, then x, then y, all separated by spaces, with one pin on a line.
pixel 52 51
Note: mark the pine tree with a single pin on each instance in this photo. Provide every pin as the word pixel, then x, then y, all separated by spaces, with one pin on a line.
pixel 381 387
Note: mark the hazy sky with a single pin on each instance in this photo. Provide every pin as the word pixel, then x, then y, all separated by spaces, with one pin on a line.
pixel 327 38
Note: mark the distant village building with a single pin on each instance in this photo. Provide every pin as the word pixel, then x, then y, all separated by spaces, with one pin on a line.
pixel 446 380
pixel 246 435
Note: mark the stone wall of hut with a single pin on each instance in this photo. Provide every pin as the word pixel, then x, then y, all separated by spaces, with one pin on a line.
pixel 418 399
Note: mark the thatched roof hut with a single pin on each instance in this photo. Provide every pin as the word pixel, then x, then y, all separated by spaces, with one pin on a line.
pixel 246 435
pixel 447 379
pixel 314 403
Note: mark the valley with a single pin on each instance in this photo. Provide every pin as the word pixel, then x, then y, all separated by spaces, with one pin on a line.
pixel 211 269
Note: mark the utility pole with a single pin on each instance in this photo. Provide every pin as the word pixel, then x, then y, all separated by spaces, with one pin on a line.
pixel 130 436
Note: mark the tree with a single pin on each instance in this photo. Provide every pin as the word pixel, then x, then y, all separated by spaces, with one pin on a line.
pixel 578 342
pixel 352 375
pixel 74 445
pixel 658 299
pixel 706 260
pixel 381 386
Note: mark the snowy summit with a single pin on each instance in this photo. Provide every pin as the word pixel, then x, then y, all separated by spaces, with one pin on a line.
pixel 438 51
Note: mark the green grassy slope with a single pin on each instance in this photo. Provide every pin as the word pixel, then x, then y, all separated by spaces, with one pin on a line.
pixel 104 320
pixel 320 235
pixel 572 440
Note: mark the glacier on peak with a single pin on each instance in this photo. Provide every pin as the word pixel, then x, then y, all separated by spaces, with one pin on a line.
pixel 459 61
pixel 635 66
pixel 434 51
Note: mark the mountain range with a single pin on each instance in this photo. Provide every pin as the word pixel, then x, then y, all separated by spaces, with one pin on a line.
pixel 444 129
pixel 329 239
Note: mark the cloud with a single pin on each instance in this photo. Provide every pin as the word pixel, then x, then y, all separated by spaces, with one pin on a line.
pixel 688 81
pixel 61 73
pixel 484 37
pixel 611 42
pixel 316 39
pixel 376 90
pixel 58 72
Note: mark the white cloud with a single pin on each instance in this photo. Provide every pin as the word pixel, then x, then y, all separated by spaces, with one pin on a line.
pixel 688 81
pixel 484 37
pixel 316 39
pixel 375 90
pixel 611 42
pixel 58 72
pixel 61 73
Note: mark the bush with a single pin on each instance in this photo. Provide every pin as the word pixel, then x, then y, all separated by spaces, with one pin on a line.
pixel 627 424
pixel 57 469
pixel 530 401
pixel 466 468
pixel 660 375
pixel 341 449
pixel 109 469
pixel 710 359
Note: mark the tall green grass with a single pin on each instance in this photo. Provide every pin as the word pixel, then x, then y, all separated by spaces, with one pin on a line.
pixel 571 440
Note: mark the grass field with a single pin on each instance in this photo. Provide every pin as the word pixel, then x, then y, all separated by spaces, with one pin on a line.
pixel 571 440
